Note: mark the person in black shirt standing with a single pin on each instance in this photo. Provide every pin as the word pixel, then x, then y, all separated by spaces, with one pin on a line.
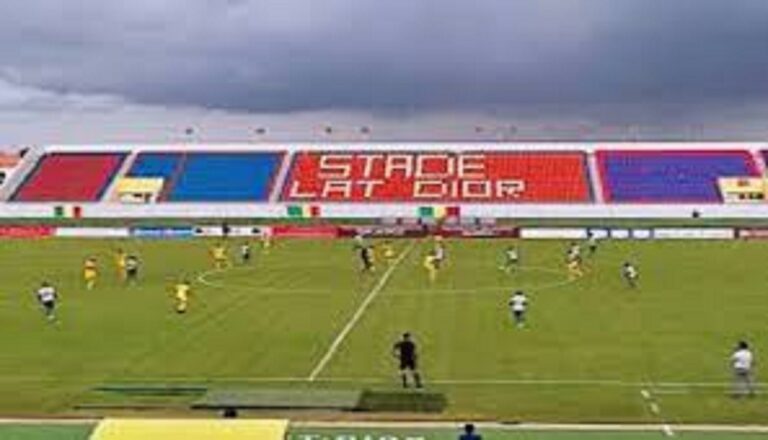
pixel 405 352
pixel 366 258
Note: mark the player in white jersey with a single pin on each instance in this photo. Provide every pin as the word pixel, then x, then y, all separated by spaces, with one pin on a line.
pixel 359 241
pixel 245 252
pixel 47 296
pixel 742 364
pixel 439 253
pixel 630 274
pixel 592 243
pixel 511 259
pixel 519 304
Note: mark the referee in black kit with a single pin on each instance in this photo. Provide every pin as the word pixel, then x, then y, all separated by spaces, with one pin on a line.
pixel 405 351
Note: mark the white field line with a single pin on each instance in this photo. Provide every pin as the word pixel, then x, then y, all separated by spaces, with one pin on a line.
pixel 204 278
pixel 453 425
pixel 456 425
pixel 659 387
pixel 649 399
pixel 468 292
pixel 358 314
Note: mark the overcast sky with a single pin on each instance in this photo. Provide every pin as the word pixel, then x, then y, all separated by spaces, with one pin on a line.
pixel 80 70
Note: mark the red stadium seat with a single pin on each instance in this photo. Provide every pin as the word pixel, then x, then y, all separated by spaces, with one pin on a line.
pixel 70 177
pixel 388 176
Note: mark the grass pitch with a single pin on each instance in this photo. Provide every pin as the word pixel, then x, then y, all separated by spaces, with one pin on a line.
pixel 591 347
pixel 83 432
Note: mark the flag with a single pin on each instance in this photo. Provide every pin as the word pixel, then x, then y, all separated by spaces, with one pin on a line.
pixel 453 211
pixel 67 211
pixel 438 212
pixel 426 212
pixel 303 211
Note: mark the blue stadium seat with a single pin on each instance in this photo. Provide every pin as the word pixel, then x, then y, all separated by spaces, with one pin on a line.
pixel 670 176
pixel 155 165
pixel 225 177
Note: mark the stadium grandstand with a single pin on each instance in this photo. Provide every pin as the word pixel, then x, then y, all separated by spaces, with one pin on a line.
pixel 386 180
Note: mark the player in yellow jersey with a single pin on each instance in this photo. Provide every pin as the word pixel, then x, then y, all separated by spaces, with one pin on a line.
pixel 432 265
pixel 90 272
pixel 575 270
pixel 220 258
pixel 182 290
pixel 573 262
pixel 120 260
pixel 388 252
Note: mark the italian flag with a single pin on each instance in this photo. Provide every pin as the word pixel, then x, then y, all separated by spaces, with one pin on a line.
pixel 439 212
pixel 67 211
pixel 303 211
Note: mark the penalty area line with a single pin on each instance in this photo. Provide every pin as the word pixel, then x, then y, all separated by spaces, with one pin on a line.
pixel 358 314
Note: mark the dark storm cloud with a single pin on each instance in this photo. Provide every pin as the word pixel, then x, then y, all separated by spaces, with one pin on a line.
pixel 280 55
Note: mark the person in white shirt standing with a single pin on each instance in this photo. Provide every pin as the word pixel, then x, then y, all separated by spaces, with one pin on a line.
pixel 47 296
pixel 630 274
pixel 742 364
pixel 519 305
pixel 591 243
pixel 511 260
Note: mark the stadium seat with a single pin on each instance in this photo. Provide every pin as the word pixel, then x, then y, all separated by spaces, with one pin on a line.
pixel 155 165
pixel 669 176
pixel 225 177
pixel 538 177
pixel 70 177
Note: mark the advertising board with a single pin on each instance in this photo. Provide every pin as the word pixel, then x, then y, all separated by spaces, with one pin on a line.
pixel 162 232
pixel 92 232
pixel 26 231
pixel 694 233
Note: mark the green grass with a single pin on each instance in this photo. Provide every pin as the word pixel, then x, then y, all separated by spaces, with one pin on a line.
pixel 499 434
pixel 81 432
pixel 590 348
pixel 45 432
